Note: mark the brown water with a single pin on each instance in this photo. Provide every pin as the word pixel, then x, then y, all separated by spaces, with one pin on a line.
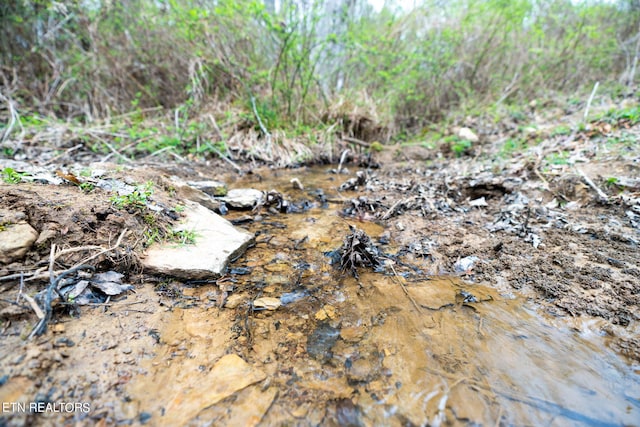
pixel 392 349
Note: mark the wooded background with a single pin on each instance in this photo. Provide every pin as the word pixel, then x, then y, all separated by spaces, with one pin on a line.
pixel 300 63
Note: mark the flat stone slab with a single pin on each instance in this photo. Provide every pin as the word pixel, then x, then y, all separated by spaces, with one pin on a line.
pixel 217 242
pixel 229 375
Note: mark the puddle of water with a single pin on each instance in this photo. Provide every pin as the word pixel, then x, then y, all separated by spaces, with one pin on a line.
pixel 380 350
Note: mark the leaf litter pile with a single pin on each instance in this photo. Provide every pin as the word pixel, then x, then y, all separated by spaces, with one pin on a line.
pixel 358 250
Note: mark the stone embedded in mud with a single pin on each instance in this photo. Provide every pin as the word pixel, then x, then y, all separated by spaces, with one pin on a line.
pixel 243 198
pixel 15 240
pixel 229 375
pixel 465 264
pixel 212 188
pixel 234 300
pixel 352 334
pixel 363 370
pixel 326 312
pixel 267 303
pixel 217 242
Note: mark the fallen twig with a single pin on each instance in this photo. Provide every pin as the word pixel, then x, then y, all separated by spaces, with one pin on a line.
pixel 356 141
pixel 601 194
pixel 223 157
pixel 110 147
pixel 404 288
pixel 103 251
pixel 395 206
pixel 34 306
pixel 216 127
pixel 14 118
pixel 33 275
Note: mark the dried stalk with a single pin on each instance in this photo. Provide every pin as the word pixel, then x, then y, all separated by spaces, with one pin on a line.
pixel 601 194
pixel 262 127
pixel 593 93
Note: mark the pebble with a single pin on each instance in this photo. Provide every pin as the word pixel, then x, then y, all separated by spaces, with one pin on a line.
pixel 326 312
pixel 235 300
pixel 352 333
pixel 267 303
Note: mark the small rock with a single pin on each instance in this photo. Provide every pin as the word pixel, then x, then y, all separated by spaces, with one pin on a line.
pixel 144 417
pixel 352 334
pixel 64 341
pixel 15 241
pixel 468 134
pixel 234 300
pixel 46 235
pixel 277 280
pixel 478 202
pixel 321 341
pixel 465 264
pixel 212 188
pixel 416 152
pixel 361 370
pixel 326 312
pixel 243 198
pixel 110 283
pixel 57 328
pixel 267 303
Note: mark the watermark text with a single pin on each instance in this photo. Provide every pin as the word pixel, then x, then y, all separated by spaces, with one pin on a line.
pixel 42 407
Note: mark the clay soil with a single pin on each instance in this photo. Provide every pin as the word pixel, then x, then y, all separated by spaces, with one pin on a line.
pixel 515 223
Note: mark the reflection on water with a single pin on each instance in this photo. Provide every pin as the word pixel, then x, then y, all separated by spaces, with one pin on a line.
pixel 387 349
pixel 492 360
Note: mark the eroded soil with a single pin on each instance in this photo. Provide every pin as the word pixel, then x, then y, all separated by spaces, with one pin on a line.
pixel 553 270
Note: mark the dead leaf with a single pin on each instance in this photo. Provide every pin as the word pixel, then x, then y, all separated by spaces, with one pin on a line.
pixel 69 177
pixel 110 283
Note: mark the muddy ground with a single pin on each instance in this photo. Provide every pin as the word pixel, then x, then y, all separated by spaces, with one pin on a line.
pixel 562 237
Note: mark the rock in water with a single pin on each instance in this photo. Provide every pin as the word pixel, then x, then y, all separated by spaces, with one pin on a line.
pixel 217 242
pixel 243 198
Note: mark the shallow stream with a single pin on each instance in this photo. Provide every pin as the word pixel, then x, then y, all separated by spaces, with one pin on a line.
pixel 389 348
